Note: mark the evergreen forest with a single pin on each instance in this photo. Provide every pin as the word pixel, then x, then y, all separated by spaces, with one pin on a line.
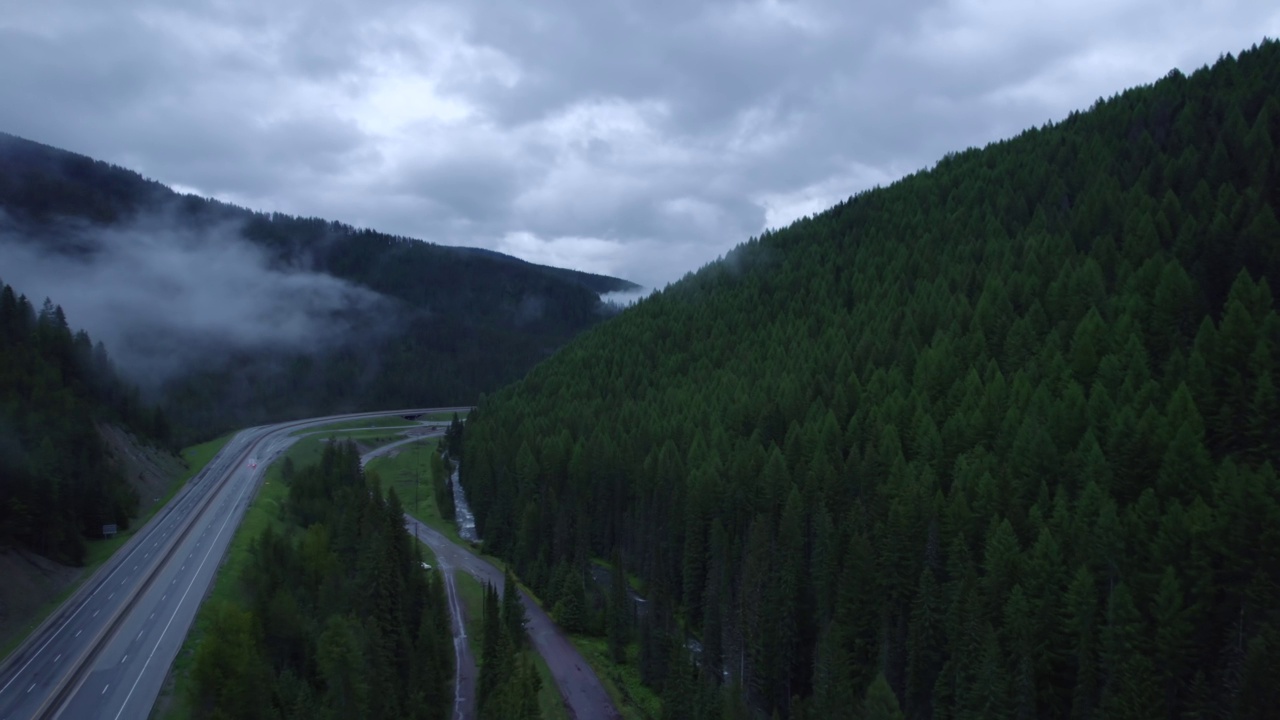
pixel 999 440
pixel 340 620
pixel 57 486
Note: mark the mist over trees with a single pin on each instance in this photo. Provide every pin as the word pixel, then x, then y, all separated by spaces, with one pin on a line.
pixel 996 441
pixel 230 317
pixel 57 485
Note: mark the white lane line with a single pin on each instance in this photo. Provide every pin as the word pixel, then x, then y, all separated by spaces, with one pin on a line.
pixel 108 597
pixel 78 633
pixel 33 687
pixel 58 658
pixel 126 657
pixel 95 613
pixel 58 632
pixel 104 689
pixel 194 577
pixel 162 597
pixel 142 631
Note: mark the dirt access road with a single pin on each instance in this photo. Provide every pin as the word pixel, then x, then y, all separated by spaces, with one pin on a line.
pixel 584 695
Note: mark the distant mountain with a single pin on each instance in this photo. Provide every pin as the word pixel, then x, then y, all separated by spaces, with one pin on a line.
pixel 364 319
pixel 999 440
pixel 600 284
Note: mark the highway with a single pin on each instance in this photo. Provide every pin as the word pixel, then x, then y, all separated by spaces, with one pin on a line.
pixel 105 652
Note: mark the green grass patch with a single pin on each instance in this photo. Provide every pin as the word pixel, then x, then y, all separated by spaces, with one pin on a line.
pixel 632 579
pixel 443 416
pixel 370 437
pixel 389 421
pixel 197 456
pixel 622 682
pixel 471 595
pixel 550 701
pixel 409 472
pixel 411 466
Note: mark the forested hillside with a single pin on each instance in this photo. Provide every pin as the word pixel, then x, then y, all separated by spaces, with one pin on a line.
pixel 450 322
pixel 1003 433
pixel 56 484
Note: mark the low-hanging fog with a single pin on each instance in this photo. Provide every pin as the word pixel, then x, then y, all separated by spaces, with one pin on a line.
pixel 165 298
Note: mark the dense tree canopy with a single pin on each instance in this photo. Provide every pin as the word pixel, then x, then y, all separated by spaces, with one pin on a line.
pixel 996 441
pixel 56 483
pixel 340 618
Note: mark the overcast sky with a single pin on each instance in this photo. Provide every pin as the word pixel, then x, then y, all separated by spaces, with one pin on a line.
pixel 635 138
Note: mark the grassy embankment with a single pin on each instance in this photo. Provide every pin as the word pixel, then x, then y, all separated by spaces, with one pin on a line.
pixel 408 471
pixel 99 551
pixel 390 421
pixel 634 699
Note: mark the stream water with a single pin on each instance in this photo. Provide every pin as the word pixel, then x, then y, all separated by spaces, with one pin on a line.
pixel 462 511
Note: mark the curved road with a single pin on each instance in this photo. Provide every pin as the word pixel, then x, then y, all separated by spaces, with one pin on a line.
pixel 466 673
pixel 105 652
pixel 584 696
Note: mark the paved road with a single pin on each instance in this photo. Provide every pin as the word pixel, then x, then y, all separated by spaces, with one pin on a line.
pixel 466 673
pixel 106 651
pixel 584 696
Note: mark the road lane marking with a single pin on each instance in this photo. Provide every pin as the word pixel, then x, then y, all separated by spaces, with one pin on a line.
pixel 58 658
pixel 108 597
pixel 126 657
pixel 78 633
pixel 142 631
pixel 163 597
pixel 104 689
pixel 33 687
pixel 58 632
pixel 195 576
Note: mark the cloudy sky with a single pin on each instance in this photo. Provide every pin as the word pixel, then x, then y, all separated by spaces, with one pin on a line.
pixel 639 138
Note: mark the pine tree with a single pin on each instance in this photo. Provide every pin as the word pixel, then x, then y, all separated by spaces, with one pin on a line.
pixel 880 703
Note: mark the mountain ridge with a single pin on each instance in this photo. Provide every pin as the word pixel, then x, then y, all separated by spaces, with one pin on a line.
pixel 996 440
pixel 231 317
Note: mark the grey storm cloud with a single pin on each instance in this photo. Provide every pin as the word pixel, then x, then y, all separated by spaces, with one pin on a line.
pixel 641 139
